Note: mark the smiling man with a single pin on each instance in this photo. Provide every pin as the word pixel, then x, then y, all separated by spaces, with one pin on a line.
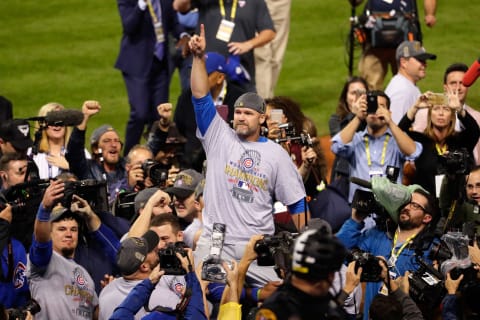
pixel 246 172
pixel 402 88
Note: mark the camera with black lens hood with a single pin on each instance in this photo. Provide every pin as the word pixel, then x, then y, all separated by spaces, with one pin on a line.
pixel 168 259
pixel 94 191
pixel 155 171
pixel 457 162
pixel 21 313
pixel 426 285
pixel 276 250
pixel 370 264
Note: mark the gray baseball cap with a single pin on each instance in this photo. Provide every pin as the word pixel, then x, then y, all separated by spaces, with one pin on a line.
pixel 251 100
pixel 408 49
pixel 133 251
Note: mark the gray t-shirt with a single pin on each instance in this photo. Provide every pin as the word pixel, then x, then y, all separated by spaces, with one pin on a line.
pixel 243 179
pixel 65 290
pixel 113 295
pixel 190 231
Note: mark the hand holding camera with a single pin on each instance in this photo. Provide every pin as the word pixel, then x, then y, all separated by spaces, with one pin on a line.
pixel 53 194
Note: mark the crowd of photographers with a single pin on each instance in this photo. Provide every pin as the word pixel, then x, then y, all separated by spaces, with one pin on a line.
pixel 112 237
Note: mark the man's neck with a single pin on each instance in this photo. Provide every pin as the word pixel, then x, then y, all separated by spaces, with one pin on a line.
pixel 109 167
pixel 409 78
pixel 377 132
pixel 403 235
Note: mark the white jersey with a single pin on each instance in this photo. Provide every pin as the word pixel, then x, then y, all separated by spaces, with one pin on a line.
pixel 65 290
pixel 113 295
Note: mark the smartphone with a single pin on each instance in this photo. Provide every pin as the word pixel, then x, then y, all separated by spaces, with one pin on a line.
pixel 437 99
pixel 276 115
pixel 372 103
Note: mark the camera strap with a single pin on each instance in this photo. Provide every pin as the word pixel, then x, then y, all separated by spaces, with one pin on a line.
pixel 395 253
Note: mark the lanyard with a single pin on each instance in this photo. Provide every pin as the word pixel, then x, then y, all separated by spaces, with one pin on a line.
pixel 384 150
pixel 232 13
pixel 152 11
pixel 441 150
pixel 394 253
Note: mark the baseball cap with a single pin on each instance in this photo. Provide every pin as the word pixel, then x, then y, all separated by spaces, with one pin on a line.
pixel 199 189
pixel 134 250
pixel 215 62
pixel 185 183
pixel 17 132
pixel 59 212
pixel 142 197
pixel 250 100
pixel 98 133
pixel 414 49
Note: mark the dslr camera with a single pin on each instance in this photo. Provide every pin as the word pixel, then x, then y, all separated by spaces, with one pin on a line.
pixel 371 269
pixel 276 251
pixel 21 313
pixel 155 171
pixel 169 261
pixel 426 285
pixel 212 269
pixel 94 191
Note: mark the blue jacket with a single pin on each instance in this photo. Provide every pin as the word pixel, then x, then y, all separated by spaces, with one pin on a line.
pixel 378 243
pixel 14 291
pixel 137 298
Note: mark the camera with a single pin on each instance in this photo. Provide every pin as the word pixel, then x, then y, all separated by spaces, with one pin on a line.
pixel 124 206
pixel 169 261
pixel 370 264
pixel 155 171
pixel 437 99
pixel 456 162
pixel 276 251
pixel 372 103
pixel 426 285
pixel 21 313
pixel 94 191
pixel 212 269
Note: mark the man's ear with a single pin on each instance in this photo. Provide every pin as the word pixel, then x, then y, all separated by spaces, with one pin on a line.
pixel 262 118
pixel 3 175
pixel 427 218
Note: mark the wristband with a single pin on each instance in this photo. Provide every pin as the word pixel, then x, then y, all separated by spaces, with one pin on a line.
pixel 43 214
pixel 258 294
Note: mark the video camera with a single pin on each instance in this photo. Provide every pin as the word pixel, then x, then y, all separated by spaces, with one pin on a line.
pixel 21 313
pixel 19 195
pixel 457 162
pixel 426 285
pixel 276 251
pixel 156 172
pixel 370 264
pixel 169 261
pixel 303 139
pixel 94 191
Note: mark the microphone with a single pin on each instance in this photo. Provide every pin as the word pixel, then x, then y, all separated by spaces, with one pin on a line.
pixel 472 73
pixel 361 182
pixel 64 117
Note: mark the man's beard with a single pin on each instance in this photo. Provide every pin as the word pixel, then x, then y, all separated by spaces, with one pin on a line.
pixel 68 252
pixel 406 225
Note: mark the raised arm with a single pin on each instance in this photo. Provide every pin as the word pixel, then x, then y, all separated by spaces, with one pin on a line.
pixel 199 76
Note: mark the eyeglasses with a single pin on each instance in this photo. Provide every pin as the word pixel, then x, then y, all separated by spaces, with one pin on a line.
pixel 416 206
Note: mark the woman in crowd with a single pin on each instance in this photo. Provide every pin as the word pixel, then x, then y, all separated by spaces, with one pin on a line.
pixel 441 144
pixel 352 96
pixel 51 141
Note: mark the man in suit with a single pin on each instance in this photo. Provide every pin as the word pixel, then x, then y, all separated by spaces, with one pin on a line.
pixel 143 59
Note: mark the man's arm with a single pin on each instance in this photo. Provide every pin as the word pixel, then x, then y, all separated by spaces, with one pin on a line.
pixel 262 38
pixel 406 145
pixel 430 7
pixel 52 195
pixel 141 225
pixel 199 76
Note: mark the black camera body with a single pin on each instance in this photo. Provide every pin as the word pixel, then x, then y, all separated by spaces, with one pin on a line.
pixel 94 191
pixel 169 261
pixel 21 313
pixel 370 264
pixel 269 246
pixel 457 162
pixel 156 172
pixel 426 285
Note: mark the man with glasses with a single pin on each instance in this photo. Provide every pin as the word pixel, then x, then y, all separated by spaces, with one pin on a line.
pixel 106 163
pixel 399 246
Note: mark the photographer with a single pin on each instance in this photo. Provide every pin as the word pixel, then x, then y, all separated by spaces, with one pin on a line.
pixel 399 246
pixel 140 294
pixel 136 157
pixel 381 144
pixel 50 263
pixel 439 140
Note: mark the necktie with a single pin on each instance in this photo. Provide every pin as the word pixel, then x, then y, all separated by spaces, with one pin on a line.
pixel 159 45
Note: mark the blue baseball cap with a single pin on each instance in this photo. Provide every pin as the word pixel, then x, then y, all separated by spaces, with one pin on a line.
pixel 215 62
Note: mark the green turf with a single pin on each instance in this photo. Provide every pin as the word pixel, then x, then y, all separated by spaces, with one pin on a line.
pixel 64 51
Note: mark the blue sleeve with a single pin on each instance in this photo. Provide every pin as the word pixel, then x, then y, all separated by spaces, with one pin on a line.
pixel 134 301
pixel 204 112
pixel 75 154
pixel 350 233
pixel 195 309
pixel 298 207
pixel 449 307
pixel 109 242
pixel 40 253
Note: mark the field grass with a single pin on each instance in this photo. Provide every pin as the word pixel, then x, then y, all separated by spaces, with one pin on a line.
pixel 64 51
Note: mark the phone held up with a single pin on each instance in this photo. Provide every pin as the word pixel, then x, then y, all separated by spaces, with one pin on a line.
pixel 372 103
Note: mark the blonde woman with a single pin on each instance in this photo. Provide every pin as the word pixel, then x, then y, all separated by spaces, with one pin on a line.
pixel 51 148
